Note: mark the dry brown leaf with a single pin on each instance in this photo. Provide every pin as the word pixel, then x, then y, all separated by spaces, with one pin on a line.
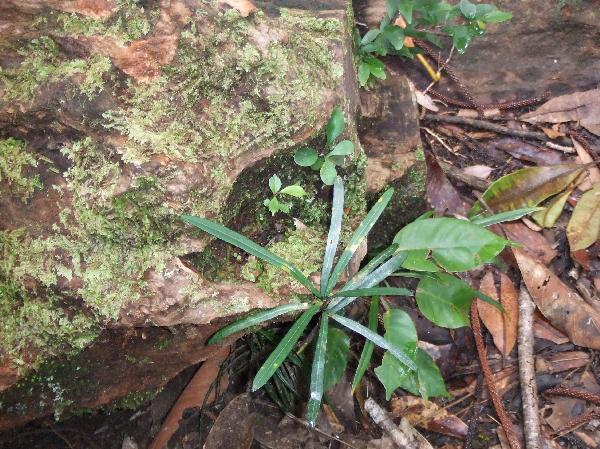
pixel 530 152
pixel 426 101
pixel 563 307
pixel 583 229
pixel 593 172
pixel 502 326
pixel 428 415
pixel 479 171
pixel 534 242
pixel 563 361
pixel 441 194
pixel 583 107
pixel 543 329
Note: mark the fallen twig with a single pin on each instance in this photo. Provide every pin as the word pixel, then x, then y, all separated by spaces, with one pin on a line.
pixel 490 382
pixel 405 436
pixel 482 124
pixel 531 415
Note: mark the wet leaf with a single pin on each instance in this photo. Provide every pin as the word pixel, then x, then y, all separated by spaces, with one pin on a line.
pixel 527 187
pixel 318 372
pixel 502 326
pixel 562 306
pixel 428 415
pixel 582 107
pixel 548 216
pixel 336 357
pixel 583 229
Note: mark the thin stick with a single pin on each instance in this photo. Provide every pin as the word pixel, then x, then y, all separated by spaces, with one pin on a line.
pixel 405 436
pixel 482 124
pixel 490 382
pixel 529 398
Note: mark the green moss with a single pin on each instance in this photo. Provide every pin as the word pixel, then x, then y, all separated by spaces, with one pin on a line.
pixel 42 64
pixel 14 160
pixel 419 154
pixel 134 400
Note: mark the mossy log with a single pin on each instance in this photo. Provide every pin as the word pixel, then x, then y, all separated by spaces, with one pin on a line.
pixel 118 116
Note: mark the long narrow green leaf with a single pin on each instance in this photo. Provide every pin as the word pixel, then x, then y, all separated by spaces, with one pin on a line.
pixel 254 320
pixel 377 339
pixel 379 291
pixel 317 373
pixel 367 352
pixel 227 235
pixel 504 216
pixel 284 347
pixel 371 280
pixel 370 266
pixel 333 237
pixel 359 235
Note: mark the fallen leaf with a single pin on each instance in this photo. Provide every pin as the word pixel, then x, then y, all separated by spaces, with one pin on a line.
pixel 583 107
pixel 502 326
pixel 552 133
pixel 527 187
pixel 529 152
pixel 441 194
pixel 534 242
pixel 479 171
pixel 234 427
pixel 426 101
pixel 244 7
pixel 563 307
pixel 583 229
pixel 428 415
pixel 593 173
pixel 543 329
pixel 564 361
pixel 547 218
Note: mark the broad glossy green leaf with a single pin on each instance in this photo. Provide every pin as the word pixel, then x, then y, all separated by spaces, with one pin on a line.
pixel 583 229
pixel 227 235
pixel 338 349
pixel 328 172
pixel 527 187
pixel 335 228
pixel 306 156
pixel 273 204
pixel 359 235
pixel 395 35
pixel 445 300
pixel 468 9
pixel 364 72
pixel 370 36
pixel 456 245
pixel 377 339
pixel 379 291
pixel 343 148
pixel 547 216
pixel 367 352
pixel 293 190
pixel 497 16
pixel 318 372
pixel 254 320
pixel 284 347
pixel 274 183
pixel 418 260
pixel 511 215
pixel 335 125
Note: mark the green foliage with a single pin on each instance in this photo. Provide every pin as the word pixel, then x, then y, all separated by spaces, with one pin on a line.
pixel 274 204
pixel 453 244
pixel 326 164
pixel 425 19
pixel 14 162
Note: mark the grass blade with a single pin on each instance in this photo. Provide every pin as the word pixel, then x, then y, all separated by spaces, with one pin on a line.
pixel 333 237
pixel 254 320
pixel 375 338
pixel 367 352
pixel 318 373
pixel 227 235
pixel 379 291
pixel 504 216
pixel 371 280
pixel 358 236
pixel 370 266
pixel 284 347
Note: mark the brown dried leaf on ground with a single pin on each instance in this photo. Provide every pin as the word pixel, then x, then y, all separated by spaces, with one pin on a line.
pixel 428 415
pixel 583 229
pixel 583 107
pixel 479 171
pixel 530 152
pixel 441 194
pixel 563 361
pixel 502 326
pixel 593 172
pixel 543 329
pixel 234 427
pixel 533 242
pixel 564 308
pixel 193 396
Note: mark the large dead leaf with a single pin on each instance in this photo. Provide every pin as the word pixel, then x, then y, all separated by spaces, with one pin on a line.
pixel 583 107
pixel 529 152
pixel 584 157
pixel 502 326
pixel 564 308
pixel 527 187
pixel 441 194
pixel 428 415
pixel 563 361
pixel 583 229
pixel 534 242
pixel 543 329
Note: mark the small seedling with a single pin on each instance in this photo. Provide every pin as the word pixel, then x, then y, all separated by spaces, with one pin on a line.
pixel 335 153
pixel 421 19
pixel 274 204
